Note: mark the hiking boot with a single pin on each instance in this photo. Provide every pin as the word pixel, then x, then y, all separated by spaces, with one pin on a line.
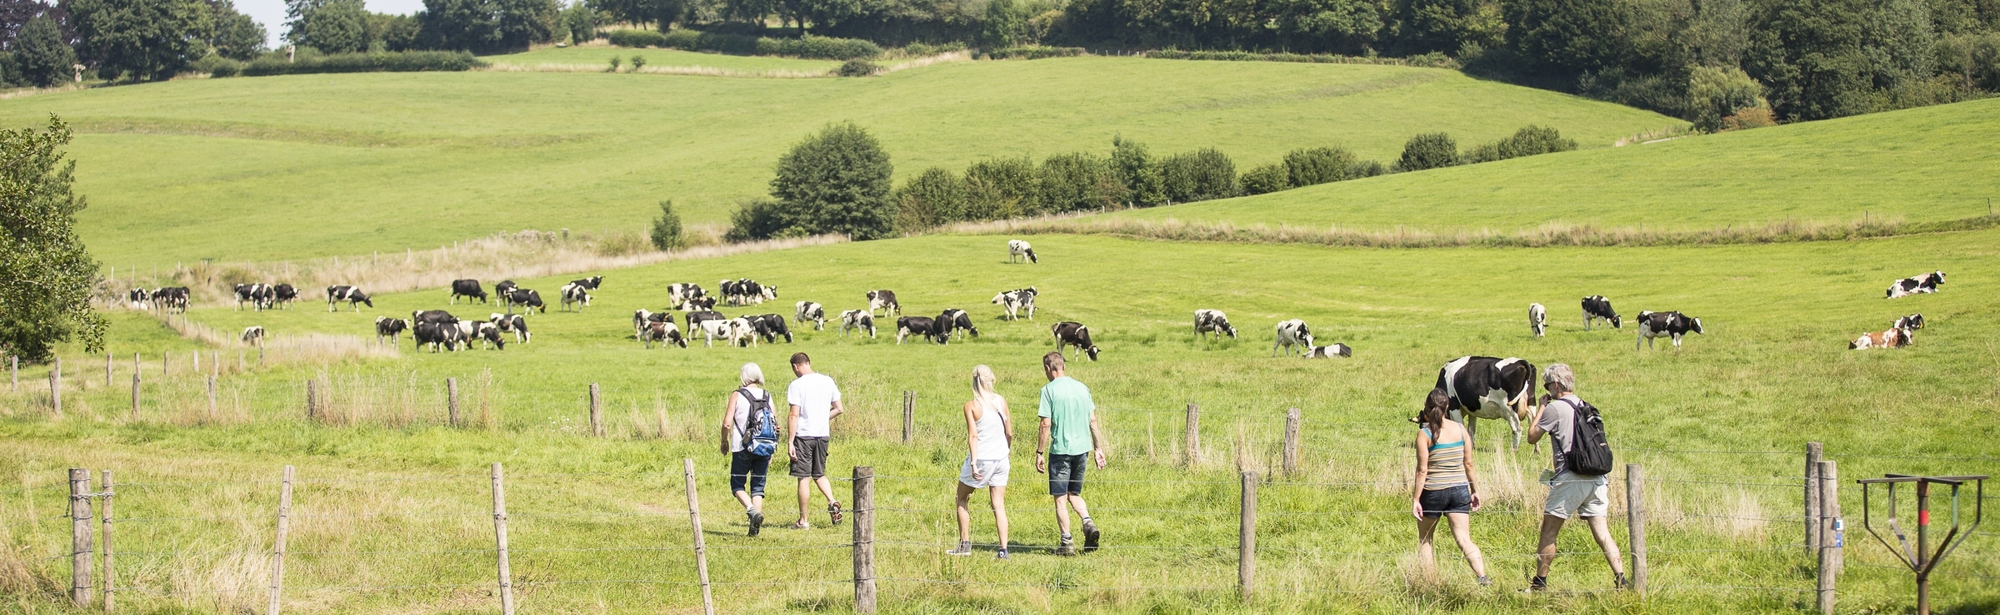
pixel 1536 585
pixel 1002 555
pixel 833 510
pixel 1619 581
pixel 1089 536
pixel 756 521
pixel 1067 548
pixel 964 548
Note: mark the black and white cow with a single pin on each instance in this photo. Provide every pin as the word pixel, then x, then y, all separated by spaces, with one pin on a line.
pixel 813 311
pixel 575 294
pixel 529 300
pixel 1292 333
pixel 1328 352
pixel 1018 249
pixel 171 299
pixel 853 320
pixel 139 298
pixel 254 336
pixel 1893 338
pixel 742 332
pixel 955 321
pixel 1912 322
pixel 1212 321
pixel 1596 307
pixel 1074 334
pixel 438 335
pixel 920 326
pixel 771 326
pixel 1538 319
pixel 662 331
pixel 418 317
pixel 678 294
pixel 1489 388
pixel 1014 301
pixel 512 323
pixel 504 292
pixel 639 320
pixel 388 329
pixel 1665 324
pixel 590 282
pixel 352 295
pixel 247 293
pixel 263 297
pixel 1926 283
pixel 284 294
pixel 713 328
pixel 884 300
pixel 485 332
pixel 470 289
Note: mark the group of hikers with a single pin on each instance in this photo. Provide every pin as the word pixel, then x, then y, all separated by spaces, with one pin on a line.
pixel 1070 439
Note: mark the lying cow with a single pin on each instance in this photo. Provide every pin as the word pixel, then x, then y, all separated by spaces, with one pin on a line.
pixel 1926 283
pixel 662 331
pixel 388 329
pixel 884 300
pixel 1328 352
pixel 852 320
pixel 353 296
pixel 1212 321
pixel 254 336
pixel 1893 338
pixel 1538 319
pixel 920 326
pixel 814 312
pixel 678 293
pixel 511 323
pixel 1665 324
pixel 470 289
pixel 1018 249
pixel 1014 301
pixel 1489 388
pixel 1292 333
pixel 1912 322
pixel 1074 334
pixel 955 321
pixel 1595 308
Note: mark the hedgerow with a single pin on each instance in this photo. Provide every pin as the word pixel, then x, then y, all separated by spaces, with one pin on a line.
pixel 813 47
pixel 388 61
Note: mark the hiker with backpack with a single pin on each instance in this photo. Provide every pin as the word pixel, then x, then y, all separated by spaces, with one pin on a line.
pixel 1577 479
pixel 1447 483
pixel 749 438
pixel 989 438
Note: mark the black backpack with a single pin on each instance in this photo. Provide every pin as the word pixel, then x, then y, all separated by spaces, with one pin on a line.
pixel 1589 454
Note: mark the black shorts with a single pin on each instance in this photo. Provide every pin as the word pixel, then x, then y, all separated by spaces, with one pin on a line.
pixel 1066 474
pixel 810 462
pixel 1446 501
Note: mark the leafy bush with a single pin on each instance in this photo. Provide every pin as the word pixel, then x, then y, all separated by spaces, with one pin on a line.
pixel 857 68
pixel 393 62
pixel 1000 188
pixel 1034 53
pixel 759 219
pixel 1716 93
pixel 1754 117
pixel 1316 58
pixel 616 62
pixel 1138 171
pixel 920 49
pixel 1975 57
pixel 818 47
pixel 638 62
pixel 1199 175
pixel 1366 168
pixel 1428 151
pixel 667 232
pixel 1078 182
pixel 638 38
pixel 838 181
pixel 10 71
pixel 1528 141
pixel 1319 165
pixel 1266 179
pixel 815 47
pixel 936 196
pixel 217 66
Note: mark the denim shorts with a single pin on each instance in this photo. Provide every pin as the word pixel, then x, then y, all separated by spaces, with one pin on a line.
pixel 1066 474
pixel 1446 501
pixel 747 468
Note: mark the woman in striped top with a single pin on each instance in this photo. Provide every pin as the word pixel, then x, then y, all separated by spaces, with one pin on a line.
pixel 1447 485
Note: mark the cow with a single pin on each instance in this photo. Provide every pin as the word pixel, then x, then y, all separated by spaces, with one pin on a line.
pixel 920 326
pixel 439 316
pixel 284 294
pixel 884 300
pixel 1016 300
pixel 851 320
pixel 528 299
pixel 1926 283
pixel 139 298
pixel 1538 319
pixel 171 299
pixel 695 318
pixel 575 294
pixel 1893 338
pixel 352 295
pixel 745 291
pixel 679 293
pixel 808 310
pixel 513 323
pixel 1018 249
pixel 1489 388
pixel 662 331
pixel 1292 333
pixel 389 329
pixel 439 335
pixel 742 332
pixel 698 304
pixel 246 293
pixel 263 297
pixel 489 335
pixel 469 289
pixel 1328 352
pixel 955 320
pixel 712 328
pixel 1074 334
pixel 1212 321
pixel 639 320
pixel 254 336
pixel 1596 307
pixel 1665 324
pixel 771 326
pixel 504 292
pixel 1912 322
pixel 591 282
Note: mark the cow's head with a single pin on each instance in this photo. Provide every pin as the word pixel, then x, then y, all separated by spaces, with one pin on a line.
pixel 1223 324
pixel 1694 324
pixel 1092 351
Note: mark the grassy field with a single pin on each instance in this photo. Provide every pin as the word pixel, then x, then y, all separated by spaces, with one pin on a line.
pixel 600 55
pixel 303 166
pixel 1931 163
pixel 400 498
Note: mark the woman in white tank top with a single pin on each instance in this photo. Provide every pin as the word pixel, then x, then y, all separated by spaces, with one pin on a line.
pixel 989 441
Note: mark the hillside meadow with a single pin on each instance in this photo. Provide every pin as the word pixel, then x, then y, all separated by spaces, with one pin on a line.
pixel 396 517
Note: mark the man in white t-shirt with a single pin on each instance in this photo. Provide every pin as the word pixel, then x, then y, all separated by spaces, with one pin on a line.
pixel 815 400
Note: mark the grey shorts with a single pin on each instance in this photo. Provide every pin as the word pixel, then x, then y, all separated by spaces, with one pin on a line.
pixel 1066 474
pixel 810 462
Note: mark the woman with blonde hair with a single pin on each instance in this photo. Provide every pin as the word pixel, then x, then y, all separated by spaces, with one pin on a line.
pixel 749 437
pixel 989 438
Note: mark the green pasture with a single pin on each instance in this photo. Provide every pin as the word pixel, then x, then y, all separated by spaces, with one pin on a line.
pixel 599 524
pixel 301 166
pixel 1931 163
pixel 600 55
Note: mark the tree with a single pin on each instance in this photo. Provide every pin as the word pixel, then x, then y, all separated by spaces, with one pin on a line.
pixel 146 40
pixel 1424 26
pixel 1428 151
pixel 934 197
pixel 667 233
pixel 1199 175
pixel 1137 170
pixel 1000 188
pixel 1266 179
pixel 46 277
pixel 1078 182
pixel 1570 37
pixel 837 181
pixel 45 59
pixel 337 26
pixel 1004 25
pixel 237 36
pixel 1319 165
pixel 1808 54
pixel 581 22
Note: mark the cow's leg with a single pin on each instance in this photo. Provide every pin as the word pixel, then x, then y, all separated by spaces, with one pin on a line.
pixel 1514 423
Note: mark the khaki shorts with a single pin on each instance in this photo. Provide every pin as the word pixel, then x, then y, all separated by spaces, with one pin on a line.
pixel 1576 496
pixel 994 470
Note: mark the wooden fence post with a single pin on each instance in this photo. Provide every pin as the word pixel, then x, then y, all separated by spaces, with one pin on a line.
pixel 215 362
pixel 1192 447
pixel 278 545
pixel 135 363
pixel 596 414
pixel 1246 542
pixel 451 400
pixel 211 398
pixel 55 387
pixel 312 398
pixel 14 371
pixel 700 547
pixel 1635 519
pixel 166 364
pixel 107 370
pixel 500 541
pixel 109 601
pixel 239 360
pixel 135 397
pixel 864 539
pixel 1291 441
pixel 197 361
pixel 909 414
pixel 80 549
pixel 1812 506
pixel 1829 552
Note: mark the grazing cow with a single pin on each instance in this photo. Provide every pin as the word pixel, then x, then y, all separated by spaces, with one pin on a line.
pixel 489 335
pixel 851 320
pixel 589 282
pixel 1665 324
pixel 439 335
pixel 808 310
pixel 353 296
pixel 712 328
pixel 695 318
pixel 1489 388
pixel 511 323
pixel 529 300
pixel 771 326
pixel 955 320
pixel 678 294
pixel 263 297
pixel 698 303
pixel 1596 307
pixel 284 294
pixel 1212 321
pixel 1016 300
pixel 171 299
pixel 1328 352
pixel 389 329
pixel 1893 338
pixel 246 292
pixel 139 298
pixel 1074 334
pixel 918 325
pixel 742 332
pixel 745 291
pixel 639 320
pixel 575 294
pixel 1018 249
pixel 504 291
pixel 884 300
pixel 1926 283
pixel 1912 322
pixel 467 288
pixel 1292 333
pixel 662 331
pixel 1538 319
pixel 254 336
pixel 439 316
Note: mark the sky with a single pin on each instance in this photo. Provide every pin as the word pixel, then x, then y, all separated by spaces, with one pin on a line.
pixel 271 13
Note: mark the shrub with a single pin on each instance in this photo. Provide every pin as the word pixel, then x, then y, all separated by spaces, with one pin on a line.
pixel 1716 93
pixel 393 62
pixel 857 68
pixel 616 62
pixel 1319 165
pixel 1428 151
pixel 758 219
pixel 1034 53
pixel 1078 182
pixel 1000 188
pixel 1528 141
pixel 1138 171
pixel 1266 179
pixel 637 38
pixel 10 71
pixel 936 196
pixel 837 181
pixel 217 66
pixel 1199 175
pixel 1316 58
pixel 1754 117
pixel 919 49
pixel 638 62
pixel 816 47
pixel 1366 168
pixel 667 233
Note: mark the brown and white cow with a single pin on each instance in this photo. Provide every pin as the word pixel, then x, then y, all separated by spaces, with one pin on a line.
pixel 1892 338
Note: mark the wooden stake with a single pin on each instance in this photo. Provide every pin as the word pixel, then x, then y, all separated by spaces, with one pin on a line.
pixel 1812 507
pixel 700 548
pixel 909 414
pixel 135 397
pixel 1291 441
pixel 500 540
pixel 14 371
pixel 864 539
pixel 166 364
pixel 1635 520
pixel 596 416
pixel 80 549
pixel 1829 552
pixel 197 361
pixel 451 400
pixel 312 398
pixel 109 490
pixel 107 370
pixel 55 393
pixel 135 363
pixel 1246 541
pixel 1192 447
pixel 278 544
pixel 239 359
pixel 211 399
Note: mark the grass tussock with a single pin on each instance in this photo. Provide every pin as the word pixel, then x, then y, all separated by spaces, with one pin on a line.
pixel 310 348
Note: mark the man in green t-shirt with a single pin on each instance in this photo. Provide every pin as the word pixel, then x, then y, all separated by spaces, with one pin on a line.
pixel 1069 435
